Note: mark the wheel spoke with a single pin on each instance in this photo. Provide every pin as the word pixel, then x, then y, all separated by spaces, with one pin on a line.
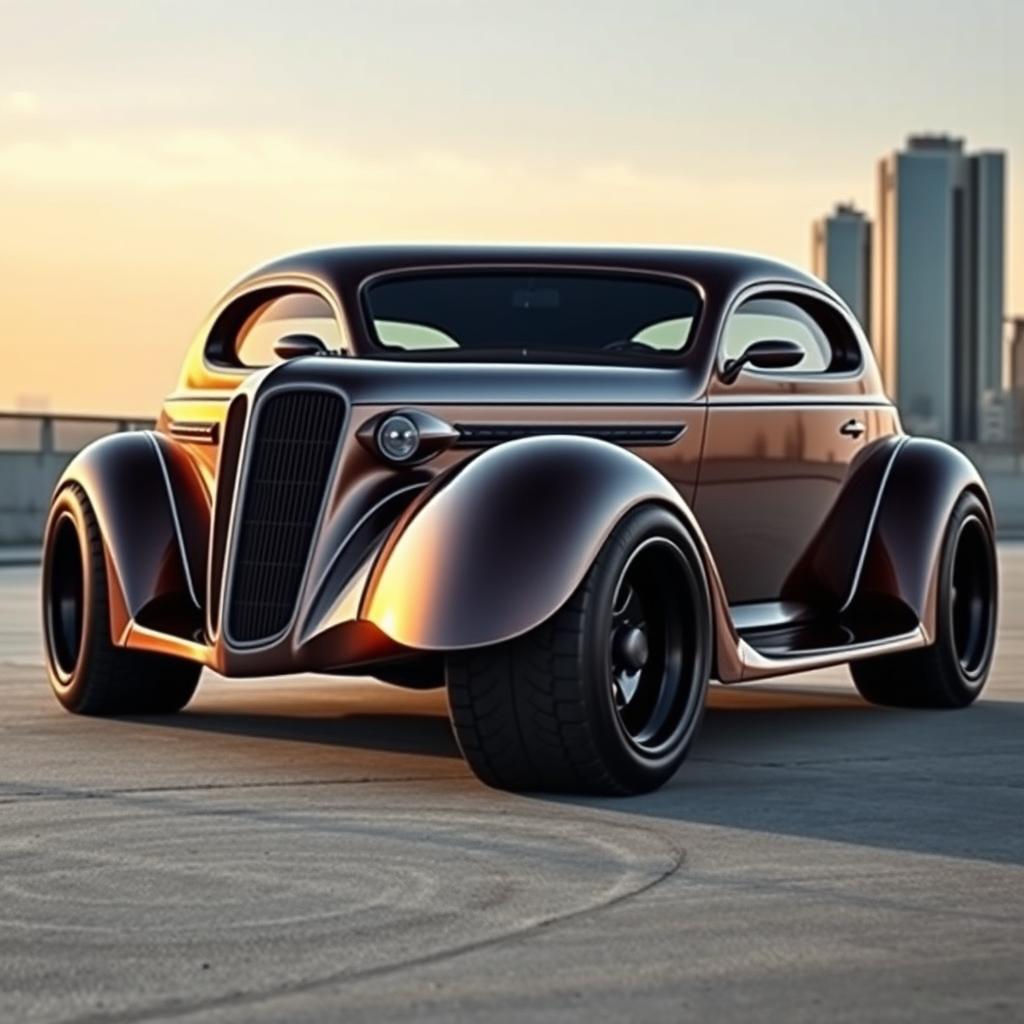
pixel 626 685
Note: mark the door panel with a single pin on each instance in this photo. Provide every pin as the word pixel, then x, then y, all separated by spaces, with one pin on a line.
pixel 769 474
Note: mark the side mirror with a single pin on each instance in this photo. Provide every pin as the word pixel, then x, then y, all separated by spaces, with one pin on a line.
pixel 291 346
pixel 764 355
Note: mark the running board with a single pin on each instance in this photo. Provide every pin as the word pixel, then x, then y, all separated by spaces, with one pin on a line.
pixel 758 664
pixel 777 638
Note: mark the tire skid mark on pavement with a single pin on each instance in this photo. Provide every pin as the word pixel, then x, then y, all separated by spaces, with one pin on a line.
pixel 901 758
pixel 54 793
pixel 626 859
pixel 828 893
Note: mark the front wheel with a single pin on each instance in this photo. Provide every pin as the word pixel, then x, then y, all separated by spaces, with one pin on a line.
pixel 952 671
pixel 89 674
pixel 606 695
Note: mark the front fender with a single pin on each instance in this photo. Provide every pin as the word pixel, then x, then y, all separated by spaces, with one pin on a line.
pixel 904 551
pixel 153 516
pixel 493 548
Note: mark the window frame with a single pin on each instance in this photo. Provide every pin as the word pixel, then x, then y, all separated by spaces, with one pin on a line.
pixel 220 353
pixel 802 297
pixel 665 358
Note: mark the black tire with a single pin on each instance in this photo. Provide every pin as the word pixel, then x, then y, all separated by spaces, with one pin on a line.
pixel 951 672
pixel 89 674
pixel 575 705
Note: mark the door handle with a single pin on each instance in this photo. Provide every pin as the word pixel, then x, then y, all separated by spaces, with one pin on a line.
pixel 852 428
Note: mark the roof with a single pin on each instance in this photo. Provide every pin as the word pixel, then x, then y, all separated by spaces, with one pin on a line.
pixel 714 269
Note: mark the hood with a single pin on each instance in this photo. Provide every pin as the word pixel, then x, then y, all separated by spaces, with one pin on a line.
pixel 385 381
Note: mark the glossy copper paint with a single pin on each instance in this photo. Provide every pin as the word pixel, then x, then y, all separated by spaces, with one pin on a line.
pixel 781 502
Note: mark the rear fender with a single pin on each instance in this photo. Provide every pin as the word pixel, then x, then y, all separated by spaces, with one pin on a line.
pixel 903 553
pixel 497 545
pixel 827 573
pixel 153 514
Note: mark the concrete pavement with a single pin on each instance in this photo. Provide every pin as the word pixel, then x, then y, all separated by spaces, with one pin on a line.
pixel 314 849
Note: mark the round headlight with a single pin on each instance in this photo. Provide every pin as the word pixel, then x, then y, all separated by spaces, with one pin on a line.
pixel 398 438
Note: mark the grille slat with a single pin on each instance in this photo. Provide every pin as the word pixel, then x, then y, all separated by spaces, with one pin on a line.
pixel 292 451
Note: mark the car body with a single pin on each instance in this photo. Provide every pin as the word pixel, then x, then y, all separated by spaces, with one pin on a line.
pixel 535 401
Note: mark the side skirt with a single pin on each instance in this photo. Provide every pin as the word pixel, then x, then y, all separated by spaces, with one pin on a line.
pixel 759 664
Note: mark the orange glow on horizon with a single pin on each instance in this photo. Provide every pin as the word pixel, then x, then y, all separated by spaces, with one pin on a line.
pixel 132 192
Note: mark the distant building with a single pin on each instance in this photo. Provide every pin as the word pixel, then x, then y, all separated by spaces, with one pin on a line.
pixel 841 256
pixel 1017 375
pixel 995 417
pixel 938 283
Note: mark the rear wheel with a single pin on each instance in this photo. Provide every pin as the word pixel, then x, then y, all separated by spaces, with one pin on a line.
pixel 606 696
pixel 952 671
pixel 88 673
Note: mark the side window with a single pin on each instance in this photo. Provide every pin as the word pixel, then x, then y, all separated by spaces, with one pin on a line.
pixel 669 335
pixel 409 336
pixel 828 343
pixel 296 313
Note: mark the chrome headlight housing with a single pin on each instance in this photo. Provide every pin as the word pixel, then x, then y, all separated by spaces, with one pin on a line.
pixel 406 437
pixel 398 438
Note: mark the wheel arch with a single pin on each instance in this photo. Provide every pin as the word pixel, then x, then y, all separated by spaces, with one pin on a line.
pixel 497 545
pixel 903 552
pixel 153 516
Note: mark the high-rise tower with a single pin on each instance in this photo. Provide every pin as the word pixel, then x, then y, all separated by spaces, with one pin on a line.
pixel 938 282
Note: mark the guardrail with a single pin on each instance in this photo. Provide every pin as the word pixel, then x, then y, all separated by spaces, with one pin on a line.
pixel 46 434
pixel 34 449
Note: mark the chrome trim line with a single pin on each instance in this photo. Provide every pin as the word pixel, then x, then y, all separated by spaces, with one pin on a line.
pixel 872 519
pixel 639 435
pixel 769 401
pixel 763 665
pixel 340 550
pixel 177 521
pixel 345 607
pixel 194 430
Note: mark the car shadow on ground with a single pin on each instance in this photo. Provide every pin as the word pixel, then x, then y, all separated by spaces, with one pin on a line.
pixel 826 765
pixel 365 716
pixel 800 761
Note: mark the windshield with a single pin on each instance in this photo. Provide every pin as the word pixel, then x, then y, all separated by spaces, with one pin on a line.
pixel 520 315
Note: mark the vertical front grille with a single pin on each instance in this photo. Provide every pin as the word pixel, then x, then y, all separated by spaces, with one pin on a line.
pixel 291 452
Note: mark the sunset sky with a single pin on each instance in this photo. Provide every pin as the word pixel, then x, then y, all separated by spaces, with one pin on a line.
pixel 153 150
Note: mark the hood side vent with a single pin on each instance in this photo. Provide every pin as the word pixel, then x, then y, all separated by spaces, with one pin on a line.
pixel 483 435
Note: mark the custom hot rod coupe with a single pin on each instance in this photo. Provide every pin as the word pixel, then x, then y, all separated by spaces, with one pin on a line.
pixel 570 484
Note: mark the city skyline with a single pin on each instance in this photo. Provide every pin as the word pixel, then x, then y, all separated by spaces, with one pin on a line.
pixel 149 156
pixel 938 278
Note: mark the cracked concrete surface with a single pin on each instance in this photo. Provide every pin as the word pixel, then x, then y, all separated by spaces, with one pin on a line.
pixel 311 848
